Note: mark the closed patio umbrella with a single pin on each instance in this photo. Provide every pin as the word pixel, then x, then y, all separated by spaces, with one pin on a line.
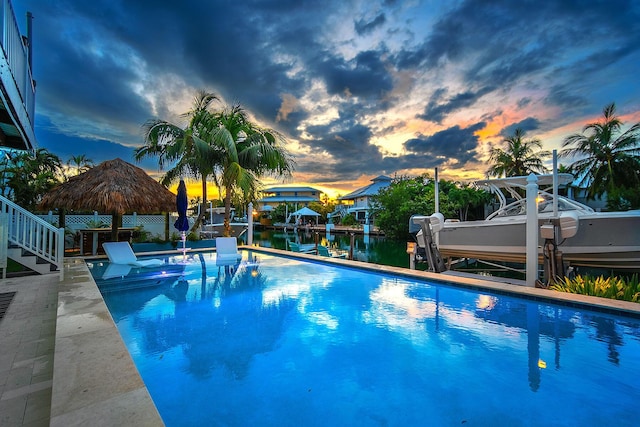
pixel 182 223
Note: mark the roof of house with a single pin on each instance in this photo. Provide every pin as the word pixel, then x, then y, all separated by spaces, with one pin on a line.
pixel 290 199
pixel 377 183
pixel 289 189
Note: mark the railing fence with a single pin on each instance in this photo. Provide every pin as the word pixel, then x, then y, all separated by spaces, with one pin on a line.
pixel 153 224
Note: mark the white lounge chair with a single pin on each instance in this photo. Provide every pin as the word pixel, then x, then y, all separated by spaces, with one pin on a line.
pixel 227 250
pixel 116 270
pixel 121 253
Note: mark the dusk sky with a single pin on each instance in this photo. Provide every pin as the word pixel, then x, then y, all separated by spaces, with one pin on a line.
pixel 359 88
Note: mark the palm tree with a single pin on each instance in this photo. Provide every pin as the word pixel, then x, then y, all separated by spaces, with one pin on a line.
pixel 243 152
pixel 32 175
pixel 80 162
pixel 520 157
pixel 609 158
pixel 172 144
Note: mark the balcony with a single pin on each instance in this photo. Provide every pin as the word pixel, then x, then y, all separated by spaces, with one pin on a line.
pixel 18 89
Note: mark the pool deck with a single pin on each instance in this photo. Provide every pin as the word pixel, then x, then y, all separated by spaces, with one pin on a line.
pixel 63 362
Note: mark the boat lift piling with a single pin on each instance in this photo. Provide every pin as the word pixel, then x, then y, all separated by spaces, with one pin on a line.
pixel 436 263
pixel 553 262
pixel 532 231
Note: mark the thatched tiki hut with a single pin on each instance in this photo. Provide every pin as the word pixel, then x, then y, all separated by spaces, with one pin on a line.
pixel 113 187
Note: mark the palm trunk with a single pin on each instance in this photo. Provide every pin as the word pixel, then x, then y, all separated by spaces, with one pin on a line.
pixel 115 221
pixel 227 212
pixel 203 206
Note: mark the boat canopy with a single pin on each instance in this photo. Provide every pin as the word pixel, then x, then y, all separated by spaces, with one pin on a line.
pixel 521 181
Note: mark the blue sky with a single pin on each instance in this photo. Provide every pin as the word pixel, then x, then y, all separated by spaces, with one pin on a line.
pixel 359 88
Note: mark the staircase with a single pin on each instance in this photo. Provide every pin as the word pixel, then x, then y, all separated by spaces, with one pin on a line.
pixel 29 240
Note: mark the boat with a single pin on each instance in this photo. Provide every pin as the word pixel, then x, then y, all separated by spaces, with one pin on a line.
pixel 582 236
pixel 211 231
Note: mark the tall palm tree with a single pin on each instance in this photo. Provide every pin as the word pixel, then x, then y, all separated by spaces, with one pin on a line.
pixel 609 158
pixel 177 146
pixel 244 152
pixel 80 163
pixel 520 158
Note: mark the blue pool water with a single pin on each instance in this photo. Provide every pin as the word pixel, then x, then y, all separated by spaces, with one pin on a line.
pixel 281 342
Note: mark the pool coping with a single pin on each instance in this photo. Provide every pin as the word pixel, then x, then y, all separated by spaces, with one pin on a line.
pixel 95 378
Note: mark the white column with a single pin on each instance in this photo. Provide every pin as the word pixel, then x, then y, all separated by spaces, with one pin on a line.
pixel 532 231
pixel 437 204
pixel 250 221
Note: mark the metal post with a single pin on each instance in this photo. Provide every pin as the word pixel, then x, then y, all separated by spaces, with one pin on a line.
pixel 250 221
pixel 437 204
pixel 60 252
pixel 555 183
pixel 437 192
pixel 351 244
pixel 532 231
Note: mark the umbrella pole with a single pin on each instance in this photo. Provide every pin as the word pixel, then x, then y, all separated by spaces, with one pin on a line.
pixel 184 246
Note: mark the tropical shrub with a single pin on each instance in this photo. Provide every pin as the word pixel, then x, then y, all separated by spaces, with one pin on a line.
pixel 609 287
pixel 141 235
pixel 97 224
pixel 349 220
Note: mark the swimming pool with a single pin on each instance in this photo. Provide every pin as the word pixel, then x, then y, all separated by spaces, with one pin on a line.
pixel 283 342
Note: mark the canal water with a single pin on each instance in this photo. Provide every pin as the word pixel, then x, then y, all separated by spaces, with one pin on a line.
pixel 372 249
pixel 376 250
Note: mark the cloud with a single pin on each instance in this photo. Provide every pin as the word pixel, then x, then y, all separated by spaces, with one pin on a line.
pixel 455 143
pixel 528 124
pixel 289 105
pixel 363 27
pixel 436 111
pixel 365 76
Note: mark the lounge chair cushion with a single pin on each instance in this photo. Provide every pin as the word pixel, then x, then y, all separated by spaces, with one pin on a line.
pixel 121 253
pixel 227 249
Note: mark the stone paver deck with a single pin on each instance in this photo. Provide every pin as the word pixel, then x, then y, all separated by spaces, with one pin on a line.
pixel 27 338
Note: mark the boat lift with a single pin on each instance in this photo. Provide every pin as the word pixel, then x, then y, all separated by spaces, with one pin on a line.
pixel 428 249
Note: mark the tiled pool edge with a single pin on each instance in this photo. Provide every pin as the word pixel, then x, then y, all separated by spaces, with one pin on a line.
pixel 94 377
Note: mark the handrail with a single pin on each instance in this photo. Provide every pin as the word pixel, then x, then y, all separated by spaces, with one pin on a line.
pixel 33 234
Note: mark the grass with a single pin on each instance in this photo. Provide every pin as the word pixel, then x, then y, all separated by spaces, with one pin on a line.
pixel 625 289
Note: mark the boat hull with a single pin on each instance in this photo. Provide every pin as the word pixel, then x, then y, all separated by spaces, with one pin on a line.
pixel 609 240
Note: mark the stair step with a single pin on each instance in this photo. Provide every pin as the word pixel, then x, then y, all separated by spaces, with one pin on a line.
pixel 31 261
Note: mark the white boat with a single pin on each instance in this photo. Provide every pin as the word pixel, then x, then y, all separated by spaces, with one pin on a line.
pixel 582 236
pixel 211 231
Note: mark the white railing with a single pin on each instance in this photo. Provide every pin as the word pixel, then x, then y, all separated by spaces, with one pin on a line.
pixel 153 224
pixel 33 234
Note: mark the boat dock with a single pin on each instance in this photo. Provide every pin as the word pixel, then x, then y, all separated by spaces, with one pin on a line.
pixel 335 229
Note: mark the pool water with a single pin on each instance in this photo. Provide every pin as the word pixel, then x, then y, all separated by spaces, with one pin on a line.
pixel 281 342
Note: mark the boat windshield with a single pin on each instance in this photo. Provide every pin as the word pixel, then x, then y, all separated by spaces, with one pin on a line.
pixel 545 205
